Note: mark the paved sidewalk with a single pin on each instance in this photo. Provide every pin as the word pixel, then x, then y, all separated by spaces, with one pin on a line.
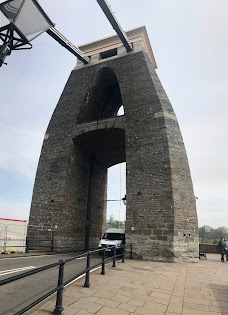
pixel 149 288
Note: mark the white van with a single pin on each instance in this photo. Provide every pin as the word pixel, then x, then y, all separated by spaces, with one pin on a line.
pixel 112 237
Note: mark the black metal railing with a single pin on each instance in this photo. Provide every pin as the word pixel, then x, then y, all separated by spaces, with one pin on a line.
pixel 61 283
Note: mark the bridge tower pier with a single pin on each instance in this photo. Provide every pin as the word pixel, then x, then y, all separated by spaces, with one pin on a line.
pixel 85 137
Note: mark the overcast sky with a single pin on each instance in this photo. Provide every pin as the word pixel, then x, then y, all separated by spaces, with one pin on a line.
pixel 190 42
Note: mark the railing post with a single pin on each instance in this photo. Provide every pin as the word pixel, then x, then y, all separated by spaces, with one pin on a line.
pixel 131 251
pixel 59 299
pixel 4 245
pixel 114 257
pixel 5 242
pixel 123 256
pixel 52 244
pixel 26 245
pixel 87 284
pixel 103 262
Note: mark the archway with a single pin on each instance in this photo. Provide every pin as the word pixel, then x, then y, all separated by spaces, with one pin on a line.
pixel 104 148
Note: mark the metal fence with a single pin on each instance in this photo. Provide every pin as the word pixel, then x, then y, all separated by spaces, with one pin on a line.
pixel 13 237
pixel 61 283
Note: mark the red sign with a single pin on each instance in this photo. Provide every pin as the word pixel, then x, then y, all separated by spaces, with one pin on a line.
pixel 13 220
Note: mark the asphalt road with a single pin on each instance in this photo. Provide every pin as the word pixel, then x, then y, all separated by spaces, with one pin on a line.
pixel 18 294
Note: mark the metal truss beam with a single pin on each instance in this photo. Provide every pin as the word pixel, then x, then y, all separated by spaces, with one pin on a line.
pixel 112 19
pixel 68 45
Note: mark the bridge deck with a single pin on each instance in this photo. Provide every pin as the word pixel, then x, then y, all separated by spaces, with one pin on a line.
pixel 140 287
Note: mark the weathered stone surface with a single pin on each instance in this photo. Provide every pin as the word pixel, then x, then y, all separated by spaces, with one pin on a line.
pixel 71 194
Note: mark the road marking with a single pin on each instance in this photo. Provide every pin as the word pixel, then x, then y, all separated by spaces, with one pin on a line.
pixel 15 269
pixel 35 256
pixel 6 272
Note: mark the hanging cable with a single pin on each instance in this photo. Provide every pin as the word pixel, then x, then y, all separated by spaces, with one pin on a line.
pixel 113 191
pixel 120 195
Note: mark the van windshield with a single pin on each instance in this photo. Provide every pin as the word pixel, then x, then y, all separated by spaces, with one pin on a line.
pixel 113 236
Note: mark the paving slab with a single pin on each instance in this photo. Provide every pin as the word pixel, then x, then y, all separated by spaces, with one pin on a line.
pixel 147 288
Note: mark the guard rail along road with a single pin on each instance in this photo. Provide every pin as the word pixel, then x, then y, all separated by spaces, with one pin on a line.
pixel 61 283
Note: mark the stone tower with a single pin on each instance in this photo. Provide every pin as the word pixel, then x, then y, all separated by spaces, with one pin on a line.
pixel 85 137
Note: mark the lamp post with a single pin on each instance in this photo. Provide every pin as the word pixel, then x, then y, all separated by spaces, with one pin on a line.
pixel 124 200
pixel 20 22
pixel 207 229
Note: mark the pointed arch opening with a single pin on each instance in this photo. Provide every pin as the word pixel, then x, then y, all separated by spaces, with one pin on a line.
pixel 120 111
pixel 103 97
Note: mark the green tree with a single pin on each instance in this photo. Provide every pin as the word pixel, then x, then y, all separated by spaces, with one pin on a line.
pixel 209 235
pixel 116 224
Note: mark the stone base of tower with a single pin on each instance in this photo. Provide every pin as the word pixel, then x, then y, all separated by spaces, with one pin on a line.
pixel 176 249
pixel 63 244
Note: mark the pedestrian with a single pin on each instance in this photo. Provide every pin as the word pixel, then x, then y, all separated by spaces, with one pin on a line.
pixel 222 248
pixel 226 247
